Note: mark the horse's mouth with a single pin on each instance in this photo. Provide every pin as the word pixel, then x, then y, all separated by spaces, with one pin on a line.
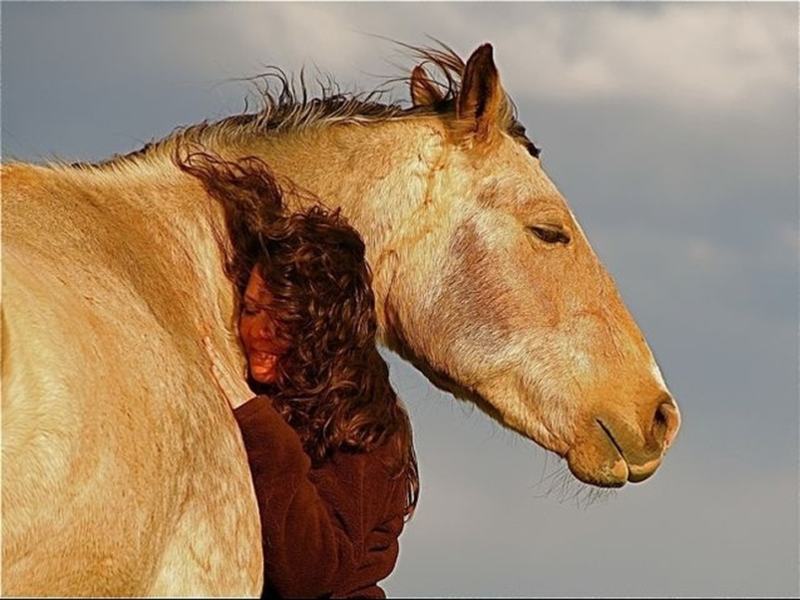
pixel 636 472
pixel 595 459
pixel 613 441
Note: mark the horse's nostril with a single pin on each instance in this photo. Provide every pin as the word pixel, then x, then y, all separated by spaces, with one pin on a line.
pixel 660 419
pixel 666 422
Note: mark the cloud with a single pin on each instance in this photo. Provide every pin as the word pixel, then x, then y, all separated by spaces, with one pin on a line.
pixel 697 57
pixel 689 56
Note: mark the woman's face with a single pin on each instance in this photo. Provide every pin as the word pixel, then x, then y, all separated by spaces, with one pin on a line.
pixel 258 330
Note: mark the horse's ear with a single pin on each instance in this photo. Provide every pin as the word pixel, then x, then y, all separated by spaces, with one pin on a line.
pixel 423 91
pixel 482 97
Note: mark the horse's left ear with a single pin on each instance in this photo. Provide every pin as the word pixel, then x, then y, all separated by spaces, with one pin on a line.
pixel 482 97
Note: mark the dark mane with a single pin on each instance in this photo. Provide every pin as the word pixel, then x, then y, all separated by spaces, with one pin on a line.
pixel 286 105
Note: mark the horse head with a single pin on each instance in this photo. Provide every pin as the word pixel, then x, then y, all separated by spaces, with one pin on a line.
pixel 497 296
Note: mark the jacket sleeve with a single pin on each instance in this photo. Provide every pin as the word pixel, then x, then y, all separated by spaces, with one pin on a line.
pixel 309 548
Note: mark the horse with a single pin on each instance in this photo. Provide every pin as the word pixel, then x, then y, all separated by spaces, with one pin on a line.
pixel 123 470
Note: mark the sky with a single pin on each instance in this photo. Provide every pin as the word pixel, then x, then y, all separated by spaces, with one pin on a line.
pixel 672 130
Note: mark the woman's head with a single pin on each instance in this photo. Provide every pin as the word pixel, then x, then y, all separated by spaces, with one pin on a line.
pixel 261 338
pixel 307 316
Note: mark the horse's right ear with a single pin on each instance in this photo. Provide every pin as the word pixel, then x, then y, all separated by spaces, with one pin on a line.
pixel 482 98
pixel 423 91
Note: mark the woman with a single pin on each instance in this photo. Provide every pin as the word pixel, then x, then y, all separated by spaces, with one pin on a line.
pixel 328 442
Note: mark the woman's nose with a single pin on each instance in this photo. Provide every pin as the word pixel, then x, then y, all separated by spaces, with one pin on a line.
pixel 264 328
pixel 260 328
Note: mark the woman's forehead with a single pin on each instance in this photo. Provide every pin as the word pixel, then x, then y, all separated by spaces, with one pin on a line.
pixel 256 287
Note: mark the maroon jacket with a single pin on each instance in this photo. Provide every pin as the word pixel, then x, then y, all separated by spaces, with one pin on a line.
pixel 326 531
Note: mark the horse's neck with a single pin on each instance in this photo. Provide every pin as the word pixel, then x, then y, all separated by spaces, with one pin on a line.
pixel 380 175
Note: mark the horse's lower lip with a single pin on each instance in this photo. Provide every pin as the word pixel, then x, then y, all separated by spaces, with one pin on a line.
pixel 621 468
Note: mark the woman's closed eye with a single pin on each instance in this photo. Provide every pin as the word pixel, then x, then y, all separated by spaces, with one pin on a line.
pixel 252 309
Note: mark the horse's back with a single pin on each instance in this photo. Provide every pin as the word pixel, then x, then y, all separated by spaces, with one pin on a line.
pixel 122 473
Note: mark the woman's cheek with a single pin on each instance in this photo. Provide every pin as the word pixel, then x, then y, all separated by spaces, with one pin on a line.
pixel 245 327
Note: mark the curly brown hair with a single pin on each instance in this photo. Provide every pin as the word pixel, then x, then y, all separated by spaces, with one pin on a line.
pixel 332 384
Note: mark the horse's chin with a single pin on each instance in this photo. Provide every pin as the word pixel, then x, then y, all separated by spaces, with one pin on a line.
pixel 604 472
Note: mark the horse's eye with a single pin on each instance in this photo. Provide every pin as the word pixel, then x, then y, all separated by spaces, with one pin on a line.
pixel 550 234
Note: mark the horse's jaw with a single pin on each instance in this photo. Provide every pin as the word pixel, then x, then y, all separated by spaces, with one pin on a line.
pixel 599 450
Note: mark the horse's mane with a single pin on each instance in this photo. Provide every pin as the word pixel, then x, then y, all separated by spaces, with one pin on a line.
pixel 286 105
